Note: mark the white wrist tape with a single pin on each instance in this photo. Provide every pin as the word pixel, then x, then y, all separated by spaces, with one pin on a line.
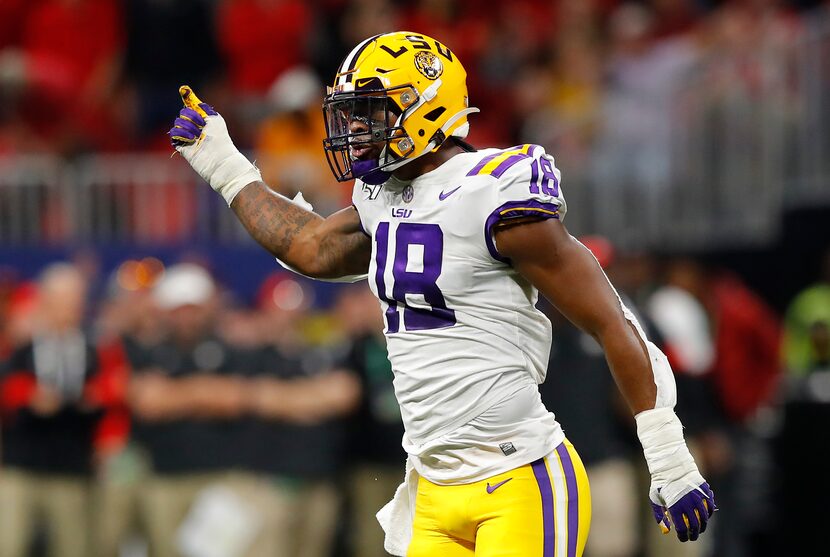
pixel 217 160
pixel 673 470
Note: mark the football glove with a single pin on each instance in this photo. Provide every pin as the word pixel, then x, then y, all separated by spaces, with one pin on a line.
pixel 201 136
pixel 679 495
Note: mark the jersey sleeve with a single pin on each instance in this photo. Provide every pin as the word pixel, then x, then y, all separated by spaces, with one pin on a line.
pixel 527 185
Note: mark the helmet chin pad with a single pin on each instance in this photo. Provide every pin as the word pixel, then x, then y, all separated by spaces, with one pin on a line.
pixel 369 173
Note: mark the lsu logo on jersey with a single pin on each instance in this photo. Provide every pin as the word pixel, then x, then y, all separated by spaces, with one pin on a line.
pixel 401 213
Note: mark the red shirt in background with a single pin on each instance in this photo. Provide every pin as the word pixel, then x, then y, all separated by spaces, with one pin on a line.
pixel 12 12
pixel 261 39
pixel 67 41
pixel 747 343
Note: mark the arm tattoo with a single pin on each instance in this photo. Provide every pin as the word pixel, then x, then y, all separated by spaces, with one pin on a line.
pixel 270 219
pixel 277 224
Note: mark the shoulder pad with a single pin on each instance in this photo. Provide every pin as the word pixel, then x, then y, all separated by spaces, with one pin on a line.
pixel 496 164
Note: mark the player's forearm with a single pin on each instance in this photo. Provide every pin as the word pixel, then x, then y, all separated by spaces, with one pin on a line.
pixel 570 277
pixel 302 240
pixel 329 248
pixel 628 360
pixel 283 228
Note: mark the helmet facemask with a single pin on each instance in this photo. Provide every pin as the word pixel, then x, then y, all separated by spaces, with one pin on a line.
pixel 366 119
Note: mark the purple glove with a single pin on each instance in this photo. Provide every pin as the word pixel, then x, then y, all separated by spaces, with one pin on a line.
pixel 187 128
pixel 690 514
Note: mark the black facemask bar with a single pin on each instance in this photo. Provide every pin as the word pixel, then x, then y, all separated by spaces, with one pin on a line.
pixel 372 114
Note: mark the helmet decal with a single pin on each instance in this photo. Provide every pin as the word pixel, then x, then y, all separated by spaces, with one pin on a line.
pixel 344 73
pixel 429 64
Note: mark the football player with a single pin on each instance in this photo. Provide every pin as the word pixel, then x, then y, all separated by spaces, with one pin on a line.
pixel 456 243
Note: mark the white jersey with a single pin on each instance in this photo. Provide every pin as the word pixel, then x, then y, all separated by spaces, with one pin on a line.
pixel 466 342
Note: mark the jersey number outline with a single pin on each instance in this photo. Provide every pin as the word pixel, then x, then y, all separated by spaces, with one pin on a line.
pixel 425 282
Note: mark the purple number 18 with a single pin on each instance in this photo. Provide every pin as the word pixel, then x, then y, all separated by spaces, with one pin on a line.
pixel 407 281
pixel 549 183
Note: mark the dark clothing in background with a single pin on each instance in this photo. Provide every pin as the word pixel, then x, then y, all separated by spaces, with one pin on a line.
pixel 63 442
pixel 158 60
pixel 277 447
pixel 377 427
pixel 188 445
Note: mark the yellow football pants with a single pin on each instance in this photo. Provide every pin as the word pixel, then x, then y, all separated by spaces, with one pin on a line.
pixel 540 509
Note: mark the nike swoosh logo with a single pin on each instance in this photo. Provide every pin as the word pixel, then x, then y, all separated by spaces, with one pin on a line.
pixel 363 82
pixel 491 489
pixel 442 196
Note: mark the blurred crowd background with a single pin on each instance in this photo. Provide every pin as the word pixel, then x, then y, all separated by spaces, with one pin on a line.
pixel 166 389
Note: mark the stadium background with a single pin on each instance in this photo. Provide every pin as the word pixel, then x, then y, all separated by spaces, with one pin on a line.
pixel 695 155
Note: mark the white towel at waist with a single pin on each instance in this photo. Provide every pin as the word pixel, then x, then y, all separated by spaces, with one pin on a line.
pixel 397 515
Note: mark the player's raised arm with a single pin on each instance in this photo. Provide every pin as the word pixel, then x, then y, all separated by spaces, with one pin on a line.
pixel 314 246
pixel 570 277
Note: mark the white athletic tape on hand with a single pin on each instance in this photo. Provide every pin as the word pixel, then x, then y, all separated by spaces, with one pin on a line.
pixel 673 470
pixel 217 160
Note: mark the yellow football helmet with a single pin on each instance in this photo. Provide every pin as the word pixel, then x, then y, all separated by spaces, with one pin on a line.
pixel 404 91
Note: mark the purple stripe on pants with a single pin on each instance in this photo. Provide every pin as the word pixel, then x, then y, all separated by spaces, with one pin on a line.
pixel 573 498
pixel 543 479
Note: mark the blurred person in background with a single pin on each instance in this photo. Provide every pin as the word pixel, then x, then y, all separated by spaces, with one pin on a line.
pixel 299 394
pixel 684 324
pixel 288 142
pixel 365 18
pixel 53 394
pixel 156 58
pixel 807 326
pixel 129 311
pixel 729 369
pixel 374 451
pixel 260 40
pixel 558 102
pixel 806 411
pixel 186 401
pixel 128 316
pixel 61 71
pixel 632 154
pixel 19 318
pixel 7 286
pixel 745 373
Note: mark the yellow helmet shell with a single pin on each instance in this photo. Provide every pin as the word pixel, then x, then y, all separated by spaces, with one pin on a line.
pixel 422 77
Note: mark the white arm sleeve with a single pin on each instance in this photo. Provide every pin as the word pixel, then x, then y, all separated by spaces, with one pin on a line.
pixel 660 367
